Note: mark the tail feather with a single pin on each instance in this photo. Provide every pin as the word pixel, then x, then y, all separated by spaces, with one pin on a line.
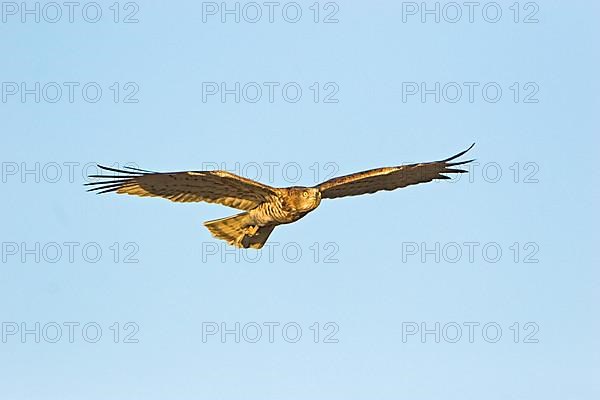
pixel 239 231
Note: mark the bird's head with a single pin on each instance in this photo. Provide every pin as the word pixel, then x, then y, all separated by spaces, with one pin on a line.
pixel 304 199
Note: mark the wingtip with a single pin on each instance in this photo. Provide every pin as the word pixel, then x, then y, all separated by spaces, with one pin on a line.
pixel 459 154
pixel 468 148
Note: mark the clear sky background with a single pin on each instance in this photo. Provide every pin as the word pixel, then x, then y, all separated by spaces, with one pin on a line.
pixel 540 212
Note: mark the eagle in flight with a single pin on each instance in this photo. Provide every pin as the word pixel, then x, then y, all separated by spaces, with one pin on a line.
pixel 264 206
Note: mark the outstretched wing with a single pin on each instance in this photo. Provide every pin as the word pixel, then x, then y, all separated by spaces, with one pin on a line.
pixel 390 178
pixel 220 187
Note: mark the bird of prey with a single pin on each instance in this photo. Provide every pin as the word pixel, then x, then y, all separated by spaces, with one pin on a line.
pixel 264 206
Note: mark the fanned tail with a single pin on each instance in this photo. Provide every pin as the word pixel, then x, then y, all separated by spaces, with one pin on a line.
pixel 239 231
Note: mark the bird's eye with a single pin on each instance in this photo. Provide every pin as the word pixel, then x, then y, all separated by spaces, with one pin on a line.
pixel 305 193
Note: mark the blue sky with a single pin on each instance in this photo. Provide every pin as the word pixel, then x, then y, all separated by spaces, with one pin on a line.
pixel 511 246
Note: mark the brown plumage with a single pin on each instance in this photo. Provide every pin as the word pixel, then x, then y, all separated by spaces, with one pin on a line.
pixel 265 206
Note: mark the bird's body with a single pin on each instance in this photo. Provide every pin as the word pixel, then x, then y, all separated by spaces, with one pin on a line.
pixel 289 205
pixel 264 206
pixel 286 206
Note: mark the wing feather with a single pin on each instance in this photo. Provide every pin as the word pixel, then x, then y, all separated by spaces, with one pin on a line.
pixel 391 178
pixel 220 187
